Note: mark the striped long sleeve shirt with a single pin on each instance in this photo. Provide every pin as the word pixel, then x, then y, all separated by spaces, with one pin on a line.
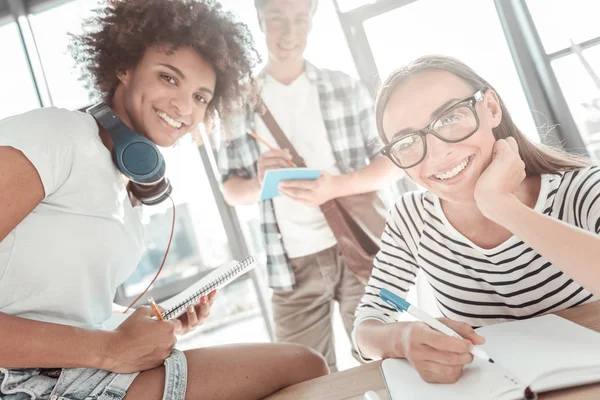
pixel 472 284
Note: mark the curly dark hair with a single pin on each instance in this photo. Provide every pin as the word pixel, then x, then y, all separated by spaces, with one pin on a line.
pixel 117 35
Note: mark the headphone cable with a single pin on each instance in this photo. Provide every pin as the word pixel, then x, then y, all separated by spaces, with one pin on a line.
pixel 163 261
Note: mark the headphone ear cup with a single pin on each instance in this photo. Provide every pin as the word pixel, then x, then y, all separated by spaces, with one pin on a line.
pixel 152 194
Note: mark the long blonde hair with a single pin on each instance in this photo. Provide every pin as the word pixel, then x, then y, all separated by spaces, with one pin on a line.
pixel 538 158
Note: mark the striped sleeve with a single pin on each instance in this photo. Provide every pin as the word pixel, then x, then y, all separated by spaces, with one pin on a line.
pixel 586 200
pixel 394 268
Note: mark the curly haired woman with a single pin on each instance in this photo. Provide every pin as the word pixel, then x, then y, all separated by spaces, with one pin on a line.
pixel 70 233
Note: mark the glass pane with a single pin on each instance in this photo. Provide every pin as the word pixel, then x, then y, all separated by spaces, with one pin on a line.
pixel 349 5
pixel 235 310
pixel 581 87
pixel 557 21
pixel 199 241
pixel 52 40
pixel 408 32
pixel 17 92
pixel 327 45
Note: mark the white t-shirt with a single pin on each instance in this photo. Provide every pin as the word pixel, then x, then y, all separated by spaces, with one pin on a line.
pixel 296 109
pixel 65 260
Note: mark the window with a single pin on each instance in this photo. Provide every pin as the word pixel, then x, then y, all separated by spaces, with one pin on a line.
pixel 327 46
pixel 17 92
pixel 559 21
pixel 349 5
pixel 199 241
pixel 580 86
pixel 577 69
pixel 445 27
pixel 52 41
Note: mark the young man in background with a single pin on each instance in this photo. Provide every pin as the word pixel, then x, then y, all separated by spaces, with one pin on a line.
pixel 327 116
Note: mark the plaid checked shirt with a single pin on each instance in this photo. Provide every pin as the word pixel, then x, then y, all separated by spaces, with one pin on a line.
pixel 347 110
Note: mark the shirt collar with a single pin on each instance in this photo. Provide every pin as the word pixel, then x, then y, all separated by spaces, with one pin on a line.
pixel 312 73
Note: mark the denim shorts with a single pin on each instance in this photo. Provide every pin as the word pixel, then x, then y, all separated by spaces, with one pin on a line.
pixel 85 383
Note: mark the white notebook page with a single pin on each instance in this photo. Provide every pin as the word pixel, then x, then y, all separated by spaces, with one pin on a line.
pixel 546 353
pixel 538 349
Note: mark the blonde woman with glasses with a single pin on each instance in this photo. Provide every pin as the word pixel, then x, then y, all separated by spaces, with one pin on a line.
pixel 505 229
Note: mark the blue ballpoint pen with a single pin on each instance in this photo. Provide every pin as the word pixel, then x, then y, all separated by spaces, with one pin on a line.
pixel 404 306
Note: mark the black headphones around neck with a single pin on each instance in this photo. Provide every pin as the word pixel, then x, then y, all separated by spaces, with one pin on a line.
pixel 135 156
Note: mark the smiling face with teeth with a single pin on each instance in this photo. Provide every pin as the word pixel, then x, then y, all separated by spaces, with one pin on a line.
pixel 286 25
pixel 449 170
pixel 166 94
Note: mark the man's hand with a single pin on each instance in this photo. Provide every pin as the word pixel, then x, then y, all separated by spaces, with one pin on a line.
pixel 311 193
pixel 273 159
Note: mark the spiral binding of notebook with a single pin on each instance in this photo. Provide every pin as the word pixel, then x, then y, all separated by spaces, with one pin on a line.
pixel 222 276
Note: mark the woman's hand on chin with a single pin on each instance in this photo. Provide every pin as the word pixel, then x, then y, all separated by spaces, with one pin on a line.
pixel 496 186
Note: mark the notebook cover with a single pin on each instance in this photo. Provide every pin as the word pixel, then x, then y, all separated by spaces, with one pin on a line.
pixel 270 185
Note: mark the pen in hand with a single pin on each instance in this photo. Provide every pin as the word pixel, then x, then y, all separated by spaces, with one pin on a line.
pixel 255 136
pixel 404 306
pixel 155 309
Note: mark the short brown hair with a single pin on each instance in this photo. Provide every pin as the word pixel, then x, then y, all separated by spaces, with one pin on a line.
pixel 260 4
pixel 539 159
pixel 118 34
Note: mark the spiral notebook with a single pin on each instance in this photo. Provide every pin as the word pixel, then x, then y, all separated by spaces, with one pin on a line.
pixel 176 305
pixel 531 356
pixel 216 279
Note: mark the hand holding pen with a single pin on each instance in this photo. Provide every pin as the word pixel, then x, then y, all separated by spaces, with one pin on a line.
pixel 274 158
pixel 139 343
pixel 437 348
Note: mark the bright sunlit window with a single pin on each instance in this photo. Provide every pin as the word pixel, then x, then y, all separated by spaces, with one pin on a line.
pixel 52 40
pixel 558 21
pixel 17 92
pixel 564 25
pixel 327 45
pixel 446 27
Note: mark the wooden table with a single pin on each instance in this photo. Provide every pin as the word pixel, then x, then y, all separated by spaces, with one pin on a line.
pixel 353 383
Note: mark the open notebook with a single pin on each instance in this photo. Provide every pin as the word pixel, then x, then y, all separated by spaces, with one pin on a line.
pixel 542 354
pixel 216 279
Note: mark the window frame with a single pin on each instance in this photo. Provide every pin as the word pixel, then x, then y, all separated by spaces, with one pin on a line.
pixel 543 94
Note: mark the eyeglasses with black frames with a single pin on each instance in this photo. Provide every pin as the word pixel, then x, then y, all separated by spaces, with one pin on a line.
pixel 453 125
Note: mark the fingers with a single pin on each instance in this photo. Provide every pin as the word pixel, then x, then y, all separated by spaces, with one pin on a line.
pixel 211 297
pixel 196 315
pixel 508 144
pixel 464 330
pixel 500 148
pixel 299 184
pixel 145 311
pixel 438 373
pixel 275 157
pixel 443 342
pixel 512 142
pixel 446 357
pixel 277 153
pixel 177 325
pixel 297 193
pixel 303 196
pixel 273 163
pixel 204 309
pixel 192 317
